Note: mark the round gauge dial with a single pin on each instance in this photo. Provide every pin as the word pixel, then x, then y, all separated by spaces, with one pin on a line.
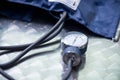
pixel 76 39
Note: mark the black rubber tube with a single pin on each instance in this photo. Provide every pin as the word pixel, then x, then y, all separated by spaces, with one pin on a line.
pixel 6 75
pixel 18 47
pixel 21 47
pixel 38 42
pixel 40 46
pixel 68 73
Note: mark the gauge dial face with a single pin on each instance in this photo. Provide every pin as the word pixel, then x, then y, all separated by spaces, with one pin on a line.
pixel 75 39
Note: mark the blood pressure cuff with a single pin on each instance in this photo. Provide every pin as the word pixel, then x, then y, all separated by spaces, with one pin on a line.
pixel 99 16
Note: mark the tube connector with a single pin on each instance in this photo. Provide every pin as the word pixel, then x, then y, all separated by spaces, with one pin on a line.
pixel 72 53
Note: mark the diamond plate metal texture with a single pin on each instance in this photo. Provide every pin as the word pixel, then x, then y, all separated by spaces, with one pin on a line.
pixel 102 56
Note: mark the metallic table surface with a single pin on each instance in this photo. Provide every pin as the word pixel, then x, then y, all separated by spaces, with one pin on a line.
pixel 102 56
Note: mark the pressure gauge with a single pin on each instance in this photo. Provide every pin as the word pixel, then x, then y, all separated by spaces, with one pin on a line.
pixel 74 44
